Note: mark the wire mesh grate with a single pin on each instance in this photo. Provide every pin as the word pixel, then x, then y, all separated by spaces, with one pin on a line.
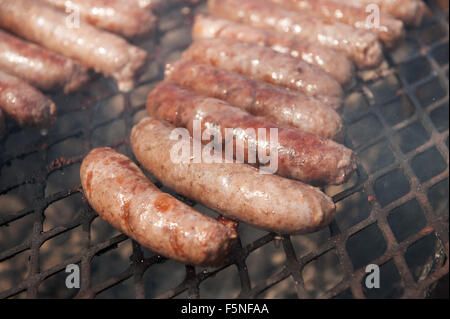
pixel 393 213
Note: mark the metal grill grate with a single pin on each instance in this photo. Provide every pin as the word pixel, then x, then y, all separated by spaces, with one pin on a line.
pixel 394 213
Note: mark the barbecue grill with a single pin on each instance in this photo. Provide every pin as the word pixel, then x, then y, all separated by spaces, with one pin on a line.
pixel 393 212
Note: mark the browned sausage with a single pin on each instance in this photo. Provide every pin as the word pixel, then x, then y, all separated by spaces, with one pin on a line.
pixel 100 50
pixel 303 156
pixel 121 194
pixel 26 105
pixel 265 64
pixel 112 15
pixel 361 46
pixel 283 107
pixel 390 31
pixel 411 12
pixel 334 63
pixel 236 190
pixel 41 68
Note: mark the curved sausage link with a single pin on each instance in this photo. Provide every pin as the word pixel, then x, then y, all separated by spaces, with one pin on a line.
pixel 41 68
pixel 26 105
pixel 334 63
pixel 121 194
pixel 238 191
pixel 264 64
pixel 285 108
pixel 301 155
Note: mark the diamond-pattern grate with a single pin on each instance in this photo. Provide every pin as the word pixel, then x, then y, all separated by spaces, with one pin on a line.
pixel 393 213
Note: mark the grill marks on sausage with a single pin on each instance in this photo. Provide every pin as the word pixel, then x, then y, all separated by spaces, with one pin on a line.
pixel 163 203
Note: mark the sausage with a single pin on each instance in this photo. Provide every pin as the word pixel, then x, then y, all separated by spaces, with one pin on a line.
pixel 283 107
pixel 39 67
pixel 112 15
pixel 100 50
pixel 411 12
pixel 334 63
pixel 390 31
pixel 121 194
pixel 360 46
pixel 303 156
pixel 264 64
pixel 236 190
pixel 25 104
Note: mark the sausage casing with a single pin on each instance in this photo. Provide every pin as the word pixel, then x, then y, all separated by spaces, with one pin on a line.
pixel 303 156
pixel 411 12
pixel 112 15
pixel 100 50
pixel 236 190
pixel 25 104
pixel 334 63
pixel 285 108
pixel 121 194
pixel 390 30
pixel 361 46
pixel 40 67
pixel 264 64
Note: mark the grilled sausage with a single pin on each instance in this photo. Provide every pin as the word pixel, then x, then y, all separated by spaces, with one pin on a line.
pixel 361 46
pixel 100 50
pixel 334 63
pixel 26 105
pixel 411 12
pixel 111 15
pixel 258 98
pixel 236 190
pixel 390 30
pixel 39 67
pixel 121 194
pixel 303 156
pixel 267 65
